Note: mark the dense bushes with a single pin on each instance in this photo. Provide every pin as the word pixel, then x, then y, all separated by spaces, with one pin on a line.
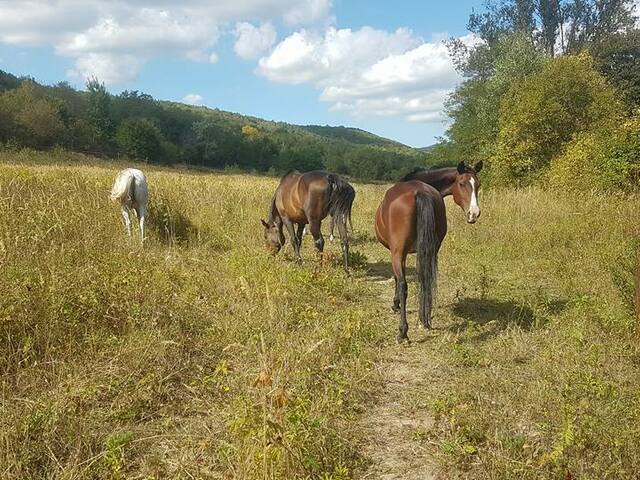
pixel 541 114
pixel 604 159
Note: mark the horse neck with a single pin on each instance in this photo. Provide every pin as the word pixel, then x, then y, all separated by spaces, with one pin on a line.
pixel 441 179
pixel 274 215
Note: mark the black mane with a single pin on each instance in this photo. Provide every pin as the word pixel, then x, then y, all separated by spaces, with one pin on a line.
pixel 412 174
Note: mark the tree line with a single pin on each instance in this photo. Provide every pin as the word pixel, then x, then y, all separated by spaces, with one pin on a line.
pixel 135 125
pixel 551 94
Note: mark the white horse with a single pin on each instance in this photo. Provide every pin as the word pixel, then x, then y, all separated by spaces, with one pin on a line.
pixel 131 192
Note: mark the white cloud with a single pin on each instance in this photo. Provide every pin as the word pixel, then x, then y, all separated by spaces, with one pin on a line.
pixel 108 68
pixel 252 41
pixel 308 11
pixel 368 72
pixel 100 34
pixel 306 56
pixel 192 99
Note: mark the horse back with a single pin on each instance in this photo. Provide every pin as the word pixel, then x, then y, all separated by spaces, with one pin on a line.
pixel 396 216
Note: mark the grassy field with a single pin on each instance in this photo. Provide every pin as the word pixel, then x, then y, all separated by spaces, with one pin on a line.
pixel 200 356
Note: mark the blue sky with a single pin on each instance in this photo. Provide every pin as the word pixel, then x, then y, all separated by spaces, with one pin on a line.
pixel 376 65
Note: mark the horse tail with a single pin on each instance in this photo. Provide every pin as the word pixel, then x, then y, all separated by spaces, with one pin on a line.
pixel 340 199
pixel 427 253
pixel 123 187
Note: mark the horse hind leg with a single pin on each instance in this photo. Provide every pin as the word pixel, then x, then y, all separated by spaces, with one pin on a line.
pixel 331 226
pixel 141 216
pixel 127 219
pixel 300 232
pixel 398 264
pixel 344 239
pixel 395 307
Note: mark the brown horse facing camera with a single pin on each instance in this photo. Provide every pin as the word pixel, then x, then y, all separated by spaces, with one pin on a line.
pixel 412 219
pixel 307 198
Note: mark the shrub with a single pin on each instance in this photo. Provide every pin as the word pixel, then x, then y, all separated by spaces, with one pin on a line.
pixel 140 138
pixel 605 159
pixel 541 114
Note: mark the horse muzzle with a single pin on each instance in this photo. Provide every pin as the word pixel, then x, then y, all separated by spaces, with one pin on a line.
pixel 473 215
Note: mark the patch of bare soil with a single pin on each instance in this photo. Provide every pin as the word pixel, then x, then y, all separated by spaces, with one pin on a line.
pixel 397 423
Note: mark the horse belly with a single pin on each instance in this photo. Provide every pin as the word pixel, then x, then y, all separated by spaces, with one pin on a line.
pixel 380 229
pixel 295 215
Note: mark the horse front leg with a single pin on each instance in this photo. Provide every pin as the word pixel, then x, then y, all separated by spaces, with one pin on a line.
pixel 398 263
pixel 318 239
pixel 294 237
pixel 300 232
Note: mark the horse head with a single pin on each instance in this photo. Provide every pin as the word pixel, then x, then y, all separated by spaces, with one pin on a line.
pixel 273 236
pixel 465 190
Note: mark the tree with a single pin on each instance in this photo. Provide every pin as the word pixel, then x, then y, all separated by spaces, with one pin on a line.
pixel 99 112
pixel 141 139
pixel 617 57
pixel 543 112
pixel 31 117
pixel 475 104
pixel 550 25
pixel 591 21
pixel 568 26
pixel 606 159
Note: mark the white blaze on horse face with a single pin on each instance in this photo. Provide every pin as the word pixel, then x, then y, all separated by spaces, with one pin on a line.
pixel 474 208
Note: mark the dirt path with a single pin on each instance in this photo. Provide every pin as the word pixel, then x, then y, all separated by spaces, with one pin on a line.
pixel 396 425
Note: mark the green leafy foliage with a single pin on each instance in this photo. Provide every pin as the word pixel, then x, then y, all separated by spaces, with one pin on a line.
pixel 541 114
pixel 617 57
pixel 140 139
pixel 607 159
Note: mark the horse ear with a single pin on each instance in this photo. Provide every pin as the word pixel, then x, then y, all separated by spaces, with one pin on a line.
pixel 264 224
pixel 461 168
pixel 478 166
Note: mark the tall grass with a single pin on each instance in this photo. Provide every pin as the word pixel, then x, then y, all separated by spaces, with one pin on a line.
pixel 535 358
pixel 200 356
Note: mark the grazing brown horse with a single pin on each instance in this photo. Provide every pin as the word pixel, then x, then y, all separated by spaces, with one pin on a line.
pixel 307 198
pixel 412 219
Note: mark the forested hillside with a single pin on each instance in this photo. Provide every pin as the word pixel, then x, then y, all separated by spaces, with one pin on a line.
pixel 138 126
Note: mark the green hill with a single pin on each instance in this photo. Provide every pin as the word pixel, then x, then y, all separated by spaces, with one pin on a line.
pixel 353 135
pixel 135 125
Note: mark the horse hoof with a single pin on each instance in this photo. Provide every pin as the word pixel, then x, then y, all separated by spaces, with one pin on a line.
pixel 403 338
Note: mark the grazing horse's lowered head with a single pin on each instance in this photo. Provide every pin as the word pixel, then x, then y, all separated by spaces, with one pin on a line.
pixel 273 236
pixel 462 182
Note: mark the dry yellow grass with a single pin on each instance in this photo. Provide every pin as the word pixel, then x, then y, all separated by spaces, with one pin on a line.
pixel 199 356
